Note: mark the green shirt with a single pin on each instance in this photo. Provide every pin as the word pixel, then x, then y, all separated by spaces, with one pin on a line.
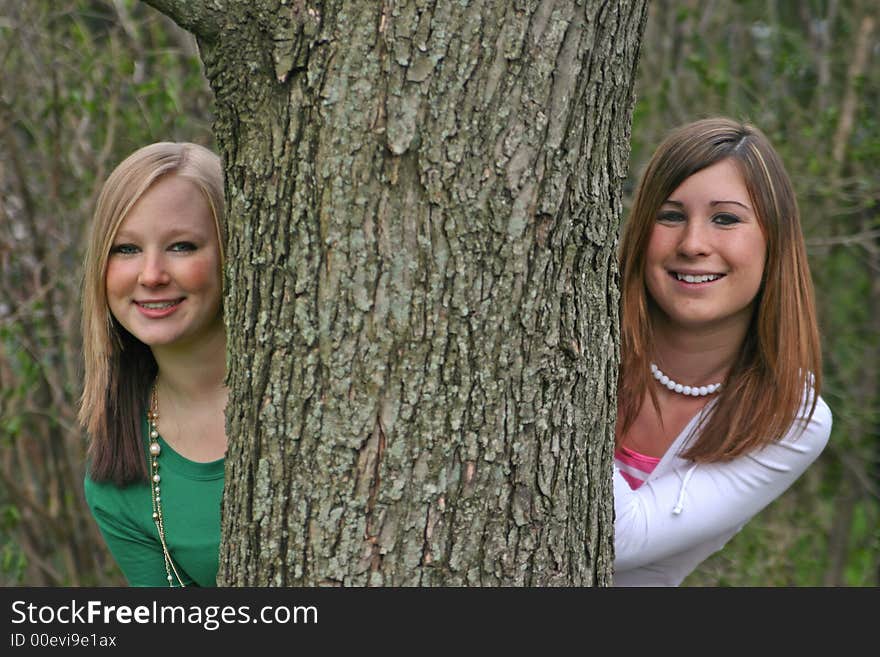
pixel 191 494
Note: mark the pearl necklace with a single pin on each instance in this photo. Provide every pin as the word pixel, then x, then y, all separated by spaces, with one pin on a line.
pixel 158 518
pixel 693 391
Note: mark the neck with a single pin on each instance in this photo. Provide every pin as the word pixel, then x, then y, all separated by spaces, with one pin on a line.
pixel 193 372
pixel 696 357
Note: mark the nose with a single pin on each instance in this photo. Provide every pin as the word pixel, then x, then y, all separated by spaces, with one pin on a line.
pixel 694 239
pixel 153 273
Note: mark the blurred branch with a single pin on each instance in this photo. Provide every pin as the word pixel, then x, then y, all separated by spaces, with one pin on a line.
pixel 856 468
pixel 821 36
pixel 35 559
pixel 864 238
pixel 839 536
pixel 856 70
pixel 67 424
pixel 18 496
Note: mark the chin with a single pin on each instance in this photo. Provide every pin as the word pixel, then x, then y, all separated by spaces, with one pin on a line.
pixel 158 337
pixel 157 342
pixel 706 321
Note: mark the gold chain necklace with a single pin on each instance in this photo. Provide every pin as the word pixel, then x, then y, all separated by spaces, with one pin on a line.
pixel 155 450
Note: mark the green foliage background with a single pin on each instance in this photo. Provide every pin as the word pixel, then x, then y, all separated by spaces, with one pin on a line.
pixel 84 83
pixel 807 74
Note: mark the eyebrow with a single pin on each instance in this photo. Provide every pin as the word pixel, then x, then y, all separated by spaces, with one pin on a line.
pixel 175 233
pixel 711 203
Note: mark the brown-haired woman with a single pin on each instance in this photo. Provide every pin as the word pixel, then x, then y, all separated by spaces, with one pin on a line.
pixel 154 345
pixel 718 402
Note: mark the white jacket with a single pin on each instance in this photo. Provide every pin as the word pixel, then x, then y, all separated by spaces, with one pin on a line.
pixel 684 511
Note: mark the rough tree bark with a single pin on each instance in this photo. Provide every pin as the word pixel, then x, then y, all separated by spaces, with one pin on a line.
pixel 422 292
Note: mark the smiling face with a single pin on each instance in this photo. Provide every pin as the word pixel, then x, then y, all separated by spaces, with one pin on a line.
pixel 706 253
pixel 163 275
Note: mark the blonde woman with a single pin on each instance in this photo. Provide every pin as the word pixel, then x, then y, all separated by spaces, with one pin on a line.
pixel 154 345
pixel 718 403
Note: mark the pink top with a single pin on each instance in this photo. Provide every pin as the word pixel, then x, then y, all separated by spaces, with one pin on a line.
pixel 634 466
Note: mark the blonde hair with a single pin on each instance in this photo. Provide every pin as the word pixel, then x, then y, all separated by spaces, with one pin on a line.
pixel 118 367
pixel 780 357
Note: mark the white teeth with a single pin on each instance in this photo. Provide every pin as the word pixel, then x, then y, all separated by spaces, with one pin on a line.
pixel 159 306
pixel 703 278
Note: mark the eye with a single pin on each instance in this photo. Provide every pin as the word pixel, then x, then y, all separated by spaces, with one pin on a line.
pixel 182 246
pixel 670 216
pixel 726 219
pixel 123 249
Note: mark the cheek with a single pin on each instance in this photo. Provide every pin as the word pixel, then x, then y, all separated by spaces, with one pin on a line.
pixel 754 259
pixel 117 279
pixel 655 255
pixel 659 244
pixel 201 274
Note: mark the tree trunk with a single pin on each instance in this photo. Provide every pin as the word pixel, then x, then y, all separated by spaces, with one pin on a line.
pixel 421 286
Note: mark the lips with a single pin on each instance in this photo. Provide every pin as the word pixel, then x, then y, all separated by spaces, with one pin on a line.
pixel 696 278
pixel 158 304
pixel 158 308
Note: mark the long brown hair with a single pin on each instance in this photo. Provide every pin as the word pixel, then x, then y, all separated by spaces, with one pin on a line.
pixel 780 357
pixel 118 367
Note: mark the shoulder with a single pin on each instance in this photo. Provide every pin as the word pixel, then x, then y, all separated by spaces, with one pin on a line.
pixel 821 412
pixel 98 492
pixel 107 497
pixel 94 490
pixel 805 439
pixel 813 423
